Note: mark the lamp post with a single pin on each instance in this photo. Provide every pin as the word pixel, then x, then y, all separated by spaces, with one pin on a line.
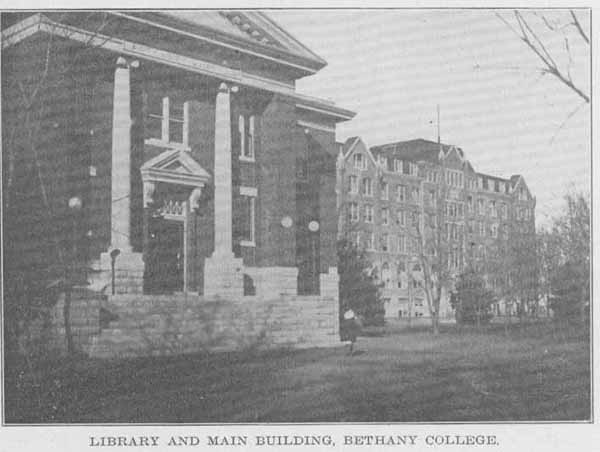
pixel 74 205
pixel 313 227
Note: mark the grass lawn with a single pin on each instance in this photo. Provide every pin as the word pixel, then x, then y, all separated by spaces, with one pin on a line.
pixel 397 375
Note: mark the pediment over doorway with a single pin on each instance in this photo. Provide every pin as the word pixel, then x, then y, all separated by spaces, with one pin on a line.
pixel 175 167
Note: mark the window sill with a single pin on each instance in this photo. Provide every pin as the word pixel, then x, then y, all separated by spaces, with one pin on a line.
pixel 248 243
pixel 243 158
pixel 166 144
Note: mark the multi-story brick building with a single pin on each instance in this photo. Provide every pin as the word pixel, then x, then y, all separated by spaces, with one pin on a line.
pixel 384 190
pixel 184 137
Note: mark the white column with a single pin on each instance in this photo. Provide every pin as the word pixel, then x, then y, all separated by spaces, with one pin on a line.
pixel 222 174
pixel 121 159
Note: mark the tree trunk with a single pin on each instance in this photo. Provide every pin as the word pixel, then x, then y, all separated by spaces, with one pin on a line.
pixel 67 319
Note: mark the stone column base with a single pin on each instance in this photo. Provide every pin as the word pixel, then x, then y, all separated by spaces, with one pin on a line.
pixel 271 282
pixel 330 288
pixel 330 283
pixel 129 274
pixel 223 277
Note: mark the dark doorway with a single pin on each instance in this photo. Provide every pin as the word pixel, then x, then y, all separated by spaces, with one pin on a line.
pixel 164 257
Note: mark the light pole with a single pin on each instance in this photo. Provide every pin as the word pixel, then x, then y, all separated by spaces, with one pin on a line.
pixel 313 227
pixel 74 205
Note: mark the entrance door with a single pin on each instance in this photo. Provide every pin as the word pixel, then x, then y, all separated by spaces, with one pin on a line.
pixel 165 260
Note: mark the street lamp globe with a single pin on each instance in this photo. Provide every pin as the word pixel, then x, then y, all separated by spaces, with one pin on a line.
pixel 313 226
pixel 75 203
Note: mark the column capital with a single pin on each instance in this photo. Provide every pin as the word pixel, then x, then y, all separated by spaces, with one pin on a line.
pixel 124 63
pixel 228 88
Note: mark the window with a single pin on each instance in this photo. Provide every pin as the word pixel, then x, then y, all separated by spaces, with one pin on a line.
pixel 481 228
pixel 247 138
pixel 415 194
pixel 367 186
pixel 385 242
pixel 454 178
pixel 360 162
pixel 167 120
pixel 368 214
pixel 401 218
pixel 494 230
pixel 480 206
pixel 432 221
pixel 401 193
pixel 398 166
pixel 386 275
pixel 432 176
pixel 385 216
pixel 382 161
pixel 413 169
pixel 470 227
pixel 399 273
pixel 469 204
pixel 432 201
pixel 353 212
pixel 402 243
pixel 301 169
pixel 353 184
pixel 480 182
pixel 522 194
pixel 247 227
pixel 414 218
pixel 385 191
pixel 370 241
pixel 492 207
pixel 502 212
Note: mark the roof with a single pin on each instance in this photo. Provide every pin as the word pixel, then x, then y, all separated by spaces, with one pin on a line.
pixel 349 144
pixel 514 179
pixel 247 28
pixel 416 150
pixel 489 176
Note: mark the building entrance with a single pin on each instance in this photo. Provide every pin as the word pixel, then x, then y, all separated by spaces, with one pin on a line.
pixel 164 267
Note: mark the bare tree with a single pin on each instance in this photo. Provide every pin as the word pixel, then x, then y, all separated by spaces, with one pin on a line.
pixel 25 131
pixel 529 28
pixel 431 244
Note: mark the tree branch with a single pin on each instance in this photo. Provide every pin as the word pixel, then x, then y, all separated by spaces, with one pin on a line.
pixel 579 28
pixel 528 36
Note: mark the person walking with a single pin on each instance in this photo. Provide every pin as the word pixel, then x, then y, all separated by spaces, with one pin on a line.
pixel 350 329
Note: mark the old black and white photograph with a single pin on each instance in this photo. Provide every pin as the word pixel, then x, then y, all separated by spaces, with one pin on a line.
pixel 291 216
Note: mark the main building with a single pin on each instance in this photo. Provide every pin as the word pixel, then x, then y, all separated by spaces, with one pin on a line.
pixel 384 190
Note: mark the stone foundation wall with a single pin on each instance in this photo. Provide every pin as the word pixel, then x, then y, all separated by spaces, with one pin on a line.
pixel 146 325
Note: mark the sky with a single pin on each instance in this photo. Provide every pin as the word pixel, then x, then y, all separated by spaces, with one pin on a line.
pixel 392 67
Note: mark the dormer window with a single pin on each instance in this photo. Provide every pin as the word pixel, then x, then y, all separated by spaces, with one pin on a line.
pixel 247 136
pixel 168 120
pixel 360 162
